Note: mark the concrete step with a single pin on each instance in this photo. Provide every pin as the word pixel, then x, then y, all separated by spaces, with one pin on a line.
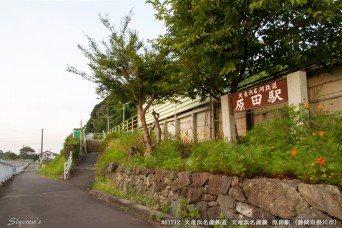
pixel 88 160
pixel 93 146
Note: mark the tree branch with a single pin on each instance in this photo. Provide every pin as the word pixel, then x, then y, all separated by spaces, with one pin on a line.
pixel 210 93
pixel 150 101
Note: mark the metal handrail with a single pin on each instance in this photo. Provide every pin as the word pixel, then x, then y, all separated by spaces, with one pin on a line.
pixel 67 166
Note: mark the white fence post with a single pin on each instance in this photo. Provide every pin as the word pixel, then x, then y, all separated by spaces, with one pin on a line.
pixel 67 166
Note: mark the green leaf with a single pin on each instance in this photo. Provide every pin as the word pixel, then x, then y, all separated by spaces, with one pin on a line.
pixel 316 13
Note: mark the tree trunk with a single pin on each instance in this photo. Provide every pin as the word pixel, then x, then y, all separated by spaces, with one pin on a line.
pixel 156 121
pixel 146 133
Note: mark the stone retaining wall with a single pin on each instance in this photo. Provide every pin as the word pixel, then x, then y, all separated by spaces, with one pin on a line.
pixel 233 197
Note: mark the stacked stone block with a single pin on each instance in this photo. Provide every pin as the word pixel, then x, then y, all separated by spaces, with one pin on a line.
pixel 234 198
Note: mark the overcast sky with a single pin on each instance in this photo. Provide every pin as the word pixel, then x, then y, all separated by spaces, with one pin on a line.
pixel 38 39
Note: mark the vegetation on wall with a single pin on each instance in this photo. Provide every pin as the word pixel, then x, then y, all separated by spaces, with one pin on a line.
pixel 115 148
pixel 54 168
pixel 296 146
pixel 71 144
pixel 130 194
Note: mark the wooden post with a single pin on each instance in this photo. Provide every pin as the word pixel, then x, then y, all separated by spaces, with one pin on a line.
pixel 194 127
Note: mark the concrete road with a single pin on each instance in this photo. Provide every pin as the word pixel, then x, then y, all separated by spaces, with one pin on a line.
pixel 83 175
pixel 30 198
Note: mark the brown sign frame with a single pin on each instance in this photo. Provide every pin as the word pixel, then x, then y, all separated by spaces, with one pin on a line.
pixel 262 95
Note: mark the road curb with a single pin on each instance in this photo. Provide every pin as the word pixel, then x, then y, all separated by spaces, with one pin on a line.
pixel 142 211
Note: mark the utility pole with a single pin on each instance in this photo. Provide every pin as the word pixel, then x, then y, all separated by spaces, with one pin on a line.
pixel 81 136
pixel 123 111
pixel 41 147
pixel 108 117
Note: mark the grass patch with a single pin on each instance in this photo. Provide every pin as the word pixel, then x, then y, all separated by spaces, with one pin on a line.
pixel 54 169
pixel 130 194
pixel 108 186
pixel 115 150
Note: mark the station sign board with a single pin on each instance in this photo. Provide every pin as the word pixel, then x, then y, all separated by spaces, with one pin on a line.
pixel 259 96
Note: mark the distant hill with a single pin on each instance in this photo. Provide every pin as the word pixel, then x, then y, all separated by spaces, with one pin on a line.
pixel 98 117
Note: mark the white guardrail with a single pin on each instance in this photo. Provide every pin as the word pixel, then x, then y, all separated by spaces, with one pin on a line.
pixel 8 168
pixel 6 171
pixel 67 166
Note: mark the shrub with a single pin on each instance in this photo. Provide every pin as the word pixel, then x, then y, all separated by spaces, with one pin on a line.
pixel 72 144
pixel 298 146
pixel 168 156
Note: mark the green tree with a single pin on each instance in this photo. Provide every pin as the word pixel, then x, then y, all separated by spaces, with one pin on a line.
pixel 215 44
pixel 111 108
pixel 124 67
pixel 9 155
pixel 25 150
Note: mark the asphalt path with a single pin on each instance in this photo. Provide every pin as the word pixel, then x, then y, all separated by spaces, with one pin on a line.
pixel 30 200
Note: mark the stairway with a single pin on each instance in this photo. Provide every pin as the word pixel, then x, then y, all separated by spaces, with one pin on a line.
pixel 93 146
